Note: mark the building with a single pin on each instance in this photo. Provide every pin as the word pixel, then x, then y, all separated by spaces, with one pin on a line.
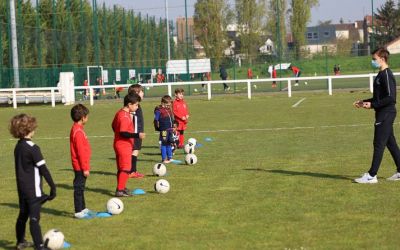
pixel 319 38
pixel 181 29
pixel 394 46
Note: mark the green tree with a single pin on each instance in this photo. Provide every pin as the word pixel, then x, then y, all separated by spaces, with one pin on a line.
pixel 277 28
pixel 210 20
pixel 300 15
pixel 387 24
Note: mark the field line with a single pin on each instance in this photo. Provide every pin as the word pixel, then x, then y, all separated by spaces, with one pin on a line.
pixel 229 130
pixel 298 103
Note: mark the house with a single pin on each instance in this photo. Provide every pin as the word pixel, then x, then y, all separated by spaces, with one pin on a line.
pixel 319 38
pixel 394 46
pixel 268 48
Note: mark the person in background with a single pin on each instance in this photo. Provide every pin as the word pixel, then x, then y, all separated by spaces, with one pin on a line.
pixel 274 75
pixel 181 114
pixel 296 72
pixel 163 122
pixel 224 76
pixel 249 73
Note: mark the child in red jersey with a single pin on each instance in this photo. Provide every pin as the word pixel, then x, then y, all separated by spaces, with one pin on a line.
pixel 296 72
pixel 181 114
pixel 124 135
pixel 80 158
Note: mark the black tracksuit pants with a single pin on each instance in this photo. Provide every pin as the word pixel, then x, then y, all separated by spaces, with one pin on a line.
pixel 79 191
pixel 29 208
pixel 384 137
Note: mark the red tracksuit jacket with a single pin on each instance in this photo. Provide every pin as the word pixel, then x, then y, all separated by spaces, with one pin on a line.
pixel 80 148
pixel 180 110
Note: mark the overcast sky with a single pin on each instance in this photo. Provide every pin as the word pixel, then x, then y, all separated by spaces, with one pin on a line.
pixel 349 10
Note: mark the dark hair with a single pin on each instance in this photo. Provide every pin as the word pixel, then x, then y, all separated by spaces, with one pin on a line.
pixel 21 125
pixel 382 53
pixel 131 98
pixel 78 112
pixel 135 88
pixel 166 99
pixel 179 90
pixel 176 123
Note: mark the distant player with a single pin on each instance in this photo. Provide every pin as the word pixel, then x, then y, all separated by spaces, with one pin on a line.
pixel 124 135
pixel 30 167
pixel 163 122
pixel 175 136
pixel 138 124
pixel 274 75
pixel 296 72
pixel 181 114
pixel 80 158
pixel 249 73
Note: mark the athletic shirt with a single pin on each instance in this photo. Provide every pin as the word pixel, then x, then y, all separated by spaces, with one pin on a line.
pixel 138 121
pixel 28 160
pixel 122 123
pixel 80 148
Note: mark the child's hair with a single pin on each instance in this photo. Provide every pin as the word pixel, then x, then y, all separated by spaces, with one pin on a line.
pixel 135 88
pixel 179 90
pixel 166 99
pixel 382 52
pixel 131 98
pixel 78 112
pixel 176 123
pixel 21 125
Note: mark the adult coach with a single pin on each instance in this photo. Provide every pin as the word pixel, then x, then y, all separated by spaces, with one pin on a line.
pixel 383 101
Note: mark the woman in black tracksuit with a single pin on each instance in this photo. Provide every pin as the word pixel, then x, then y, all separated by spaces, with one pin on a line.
pixel 383 102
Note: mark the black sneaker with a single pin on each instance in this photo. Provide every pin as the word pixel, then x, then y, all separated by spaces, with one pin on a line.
pixel 23 245
pixel 122 193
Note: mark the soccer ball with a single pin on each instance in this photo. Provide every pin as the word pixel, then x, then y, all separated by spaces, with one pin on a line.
pixel 115 206
pixel 159 169
pixel 192 141
pixel 191 159
pixel 189 148
pixel 305 83
pixel 54 239
pixel 161 186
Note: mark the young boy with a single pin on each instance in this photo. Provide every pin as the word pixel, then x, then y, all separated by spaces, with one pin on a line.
pixel 163 119
pixel 175 136
pixel 124 135
pixel 138 124
pixel 80 158
pixel 181 114
pixel 29 169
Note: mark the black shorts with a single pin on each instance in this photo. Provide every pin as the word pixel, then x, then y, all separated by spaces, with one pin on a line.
pixel 137 144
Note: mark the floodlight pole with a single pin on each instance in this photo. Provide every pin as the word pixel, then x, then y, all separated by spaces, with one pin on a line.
pixel 187 44
pixel 372 45
pixel 14 44
pixel 168 42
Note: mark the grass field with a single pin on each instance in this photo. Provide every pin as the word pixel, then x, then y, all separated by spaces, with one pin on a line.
pixel 274 177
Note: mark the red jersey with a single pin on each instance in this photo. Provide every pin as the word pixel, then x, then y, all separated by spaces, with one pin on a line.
pixel 180 110
pixel 80 148
pixel 122 123
pixel 274 73
pixel 249 73
pixel 295 70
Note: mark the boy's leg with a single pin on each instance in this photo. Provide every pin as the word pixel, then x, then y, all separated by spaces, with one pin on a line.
pixel 79 189
pixel 122 179
pixel 181 138
pixel 134 163
pixel 169 152
pixel 34 219
pixel 23 216
pixel 163 152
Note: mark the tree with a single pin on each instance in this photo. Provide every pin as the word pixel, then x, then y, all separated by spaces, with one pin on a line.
pixel 250 23
pixel 387 24
pixel 277 28
pixel 210 20
pixel 300 15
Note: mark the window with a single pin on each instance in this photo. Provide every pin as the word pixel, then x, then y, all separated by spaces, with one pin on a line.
pixel 326 33
pixel 315 35
pixel 309 35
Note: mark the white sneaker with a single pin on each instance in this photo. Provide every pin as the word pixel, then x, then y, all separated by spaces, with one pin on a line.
pixel 80 215
pixel 296 84
pixel 366 178
pixel 395 177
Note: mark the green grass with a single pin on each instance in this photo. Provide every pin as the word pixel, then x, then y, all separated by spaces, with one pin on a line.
pixel 274 177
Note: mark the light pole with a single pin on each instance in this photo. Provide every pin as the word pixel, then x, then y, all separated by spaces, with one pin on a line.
pixel 166 16
pixel 187 44
pixel 14 44
pixel 372 45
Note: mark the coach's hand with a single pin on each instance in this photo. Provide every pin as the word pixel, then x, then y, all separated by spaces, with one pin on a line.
pixel 366 105
pixel 142 135
pixel 358 104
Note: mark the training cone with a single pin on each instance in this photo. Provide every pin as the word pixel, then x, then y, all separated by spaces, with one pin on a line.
pixel 138 191
pixel 208 139
pixel 176 162
pixel 103 215
pixel 66 245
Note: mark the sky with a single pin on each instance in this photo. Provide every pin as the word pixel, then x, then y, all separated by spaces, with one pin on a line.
pixel 349 10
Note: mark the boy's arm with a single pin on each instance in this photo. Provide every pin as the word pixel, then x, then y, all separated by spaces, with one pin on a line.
pixel 43 171
pixel 83 149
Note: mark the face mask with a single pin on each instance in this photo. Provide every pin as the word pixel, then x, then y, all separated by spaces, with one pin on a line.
pixel 375 64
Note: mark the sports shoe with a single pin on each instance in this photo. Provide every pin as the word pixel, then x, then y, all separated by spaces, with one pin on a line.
pixel 89 212
pixel 122 193
pixel 366 178
pixel 136 175
pixel 395 177
pixel 84 215
pixel 24 244
pixel 296 84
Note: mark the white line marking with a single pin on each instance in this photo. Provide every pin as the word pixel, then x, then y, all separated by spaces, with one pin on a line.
pixel 297 103
pixel 229 130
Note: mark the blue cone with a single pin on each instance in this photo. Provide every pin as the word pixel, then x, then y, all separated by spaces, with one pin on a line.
pixel 103 215
pixel 66 245
pixel 138 191
pixel 198 145
pixel 176 162
pixel 208 139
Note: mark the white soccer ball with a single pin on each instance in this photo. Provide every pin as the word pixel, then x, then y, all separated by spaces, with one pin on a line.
pixel 305 83
pixel 159 169
pixel 192 141
pixel 255 86
pixel 54 239
pixel 115 206
pixel 191 159
pixel 195 90
pixel 161 186
pixel 189 148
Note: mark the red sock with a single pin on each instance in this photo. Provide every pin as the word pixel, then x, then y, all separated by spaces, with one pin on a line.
pixel 122 180
pixel 181 140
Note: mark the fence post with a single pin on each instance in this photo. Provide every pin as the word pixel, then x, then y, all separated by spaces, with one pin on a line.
pixel 249 89
pixel 169 89
pixel 14 98
pixel 371 83
pixel 91 95
pixel 53 98
pixel 209 90
pixel 289 88
pixel 330 85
